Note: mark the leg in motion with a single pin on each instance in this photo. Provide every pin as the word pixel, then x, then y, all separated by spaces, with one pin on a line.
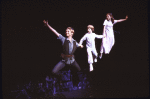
pixel 95 54
pixel 56 76
pixel 90 59
pixel 74 70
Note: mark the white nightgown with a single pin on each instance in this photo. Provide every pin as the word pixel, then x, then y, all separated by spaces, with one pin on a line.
pixel 109 40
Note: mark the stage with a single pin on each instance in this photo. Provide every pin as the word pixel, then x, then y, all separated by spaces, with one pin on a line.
pixel 30 50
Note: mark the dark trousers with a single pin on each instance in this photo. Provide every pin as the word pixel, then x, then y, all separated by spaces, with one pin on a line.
pixel 74 67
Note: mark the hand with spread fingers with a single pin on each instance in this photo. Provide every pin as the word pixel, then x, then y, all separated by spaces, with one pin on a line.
pixel 45 22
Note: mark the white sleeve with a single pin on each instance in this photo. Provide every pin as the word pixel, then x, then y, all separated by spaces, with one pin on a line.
pixel 98 36
pixel 115 21
pixel 82 39
pixel 105 22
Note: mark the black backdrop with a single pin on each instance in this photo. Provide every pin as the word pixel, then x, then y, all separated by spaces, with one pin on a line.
pixel 30 50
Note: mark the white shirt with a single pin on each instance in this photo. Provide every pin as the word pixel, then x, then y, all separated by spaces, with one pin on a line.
pixel 90 39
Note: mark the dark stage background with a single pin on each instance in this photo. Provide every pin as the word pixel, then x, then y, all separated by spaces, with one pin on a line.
pixel 30 50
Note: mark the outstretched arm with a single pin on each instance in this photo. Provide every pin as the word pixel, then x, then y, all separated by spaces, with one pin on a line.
pixel 82 39
pixel 120 20
pixel 79 45
pixel 46 24
pixel 99 36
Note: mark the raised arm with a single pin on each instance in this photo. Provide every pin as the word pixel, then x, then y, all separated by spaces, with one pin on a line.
pixel 46 24
pixel 120 20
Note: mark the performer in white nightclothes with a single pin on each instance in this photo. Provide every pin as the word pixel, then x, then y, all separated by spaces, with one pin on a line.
pixel 108 41
pixel 90 45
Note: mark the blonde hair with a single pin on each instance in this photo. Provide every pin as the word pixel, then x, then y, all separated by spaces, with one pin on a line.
pixel 91 27
pixel 71 29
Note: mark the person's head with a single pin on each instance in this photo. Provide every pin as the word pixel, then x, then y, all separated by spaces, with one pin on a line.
pixel 109 16
pixel 90 28
pixel 69 31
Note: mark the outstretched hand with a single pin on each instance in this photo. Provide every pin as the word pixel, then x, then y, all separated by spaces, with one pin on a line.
pixel 45 22
pixel 126 17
